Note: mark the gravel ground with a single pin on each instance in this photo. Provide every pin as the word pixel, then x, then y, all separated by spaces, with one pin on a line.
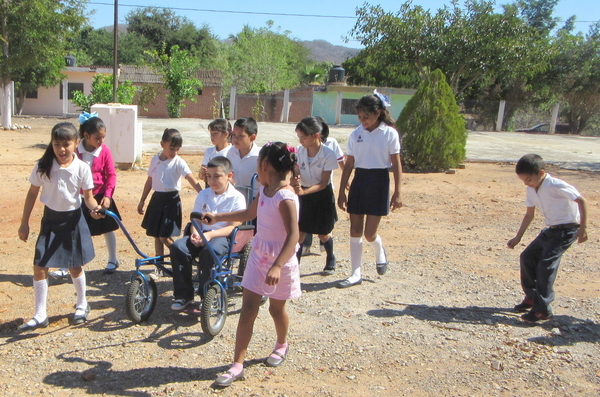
pixel 438 323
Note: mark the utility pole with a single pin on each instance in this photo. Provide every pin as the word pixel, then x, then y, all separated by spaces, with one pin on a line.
pixel 116 52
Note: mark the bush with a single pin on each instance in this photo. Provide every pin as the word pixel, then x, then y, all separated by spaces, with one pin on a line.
pixel 433 131
pixel 102 92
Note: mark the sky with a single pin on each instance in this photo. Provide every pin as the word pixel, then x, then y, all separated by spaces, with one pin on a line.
pixel 306 19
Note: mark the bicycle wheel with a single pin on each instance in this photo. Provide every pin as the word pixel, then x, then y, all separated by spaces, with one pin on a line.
pixel 214 313
pixel 139 304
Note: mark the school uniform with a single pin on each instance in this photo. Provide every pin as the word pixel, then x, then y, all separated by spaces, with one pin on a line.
pixel 183 251
pixel 244 168
pixel 317 210
pixel 372 151
pixel 104 175
pixel 163 215
pixel 64 240
pixel 212 152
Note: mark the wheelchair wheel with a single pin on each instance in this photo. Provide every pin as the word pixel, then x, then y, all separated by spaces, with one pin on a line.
pixel 139 304
pixel 244 255
pixel 213 313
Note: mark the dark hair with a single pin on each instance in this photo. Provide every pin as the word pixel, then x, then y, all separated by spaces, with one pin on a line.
pixel 220 162
pixel 172 137
pixel 314 125
pixel 91 126
pixel 370 104
pixel 220 125
pixel 248 124
pixel 282 157
pixel 530 164
pixel 60 132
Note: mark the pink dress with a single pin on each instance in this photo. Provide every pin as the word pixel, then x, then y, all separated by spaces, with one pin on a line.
pixel 266 246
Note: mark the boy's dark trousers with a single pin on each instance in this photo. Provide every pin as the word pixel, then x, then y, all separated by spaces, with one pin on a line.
pixel 539 265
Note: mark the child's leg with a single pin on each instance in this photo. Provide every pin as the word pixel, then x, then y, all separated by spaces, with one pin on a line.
pixel 301 243
pixel 371 226
pixel 327 244
pixel 356 232
pixel 529 260
pixel 250 306
pixel 40 294
pixel 78 277
pixel 280 318
pixel 111 246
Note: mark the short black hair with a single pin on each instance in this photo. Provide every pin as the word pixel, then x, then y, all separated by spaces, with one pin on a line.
pixel 172 137
pixel 220 162
pixel 248 124
pixel 530 164
pixel 222 125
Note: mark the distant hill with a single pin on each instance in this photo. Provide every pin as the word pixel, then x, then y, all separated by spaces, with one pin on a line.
pixel 321 51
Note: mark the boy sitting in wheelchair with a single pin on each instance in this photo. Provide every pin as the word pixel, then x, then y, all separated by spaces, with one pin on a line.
pixel 221 197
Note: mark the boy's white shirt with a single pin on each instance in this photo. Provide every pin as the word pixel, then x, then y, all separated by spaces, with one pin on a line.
pixel 208 201
pixel 244 168
pixel 555 199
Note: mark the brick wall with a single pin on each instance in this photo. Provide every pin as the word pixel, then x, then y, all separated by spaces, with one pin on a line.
pixel 300 98
pixel 202 109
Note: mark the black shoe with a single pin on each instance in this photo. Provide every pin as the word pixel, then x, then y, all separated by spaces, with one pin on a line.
pixel 346 283
pixel 111 267
pixel 24 327
pixel 524 306
pixel 381 268
pixel 534 317
pixel 80 319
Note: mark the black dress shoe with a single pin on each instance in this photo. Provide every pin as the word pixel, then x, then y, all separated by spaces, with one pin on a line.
pixel 80 319
pixel 25 327
pixel 346 283
pixel 524 306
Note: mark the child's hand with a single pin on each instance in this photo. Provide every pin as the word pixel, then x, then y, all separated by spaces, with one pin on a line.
pixel 140 208
pixel 94 213
pixel 24 232
pixel 273 275
pixel 342 201
pixel 513 242
pixel 105 203
pixel 396 201
pixel 582 235
pixel 208 218
pixel 196 239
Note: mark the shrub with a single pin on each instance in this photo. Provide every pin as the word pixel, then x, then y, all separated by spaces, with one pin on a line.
pixel 433 132
pixel 102 92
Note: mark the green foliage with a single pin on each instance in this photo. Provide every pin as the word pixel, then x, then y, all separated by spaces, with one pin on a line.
pixel 96 47
pixel 177 70
pixel 30 79
pixel 258 110
pixel 434 136
pixel 102 92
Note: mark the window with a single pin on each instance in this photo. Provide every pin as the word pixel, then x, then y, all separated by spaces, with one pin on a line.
pixel 72 87
pixel 349 106
pixel 31 94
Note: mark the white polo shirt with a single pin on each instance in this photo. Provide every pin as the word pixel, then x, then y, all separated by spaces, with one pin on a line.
pixel 333 144
pixel 311 169
pixel 555 199
pixel 212 152
pixel 373 150
pixel 244 168
pixel 166 175
pixel 61 191
pixel 208 201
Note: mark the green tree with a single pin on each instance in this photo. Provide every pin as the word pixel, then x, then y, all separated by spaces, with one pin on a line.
pixel 30 79
pixel 96 47
pixel 102 92
pixel 177 70
pixel 34 35
pixel 434 136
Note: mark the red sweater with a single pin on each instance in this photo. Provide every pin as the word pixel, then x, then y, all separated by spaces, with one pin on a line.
pixel 103 172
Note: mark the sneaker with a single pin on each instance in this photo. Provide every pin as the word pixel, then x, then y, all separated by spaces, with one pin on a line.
pixel 180 304
pixel 534 317
pixel 524 306
pixel 59 274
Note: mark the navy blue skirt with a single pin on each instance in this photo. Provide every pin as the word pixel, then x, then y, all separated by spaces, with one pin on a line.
pixel 317 212
pixel 102 225
pixel 163 215
pixel 64 240
pixel 370 192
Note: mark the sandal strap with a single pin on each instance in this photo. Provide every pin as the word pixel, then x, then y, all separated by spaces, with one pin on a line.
pixel 276 353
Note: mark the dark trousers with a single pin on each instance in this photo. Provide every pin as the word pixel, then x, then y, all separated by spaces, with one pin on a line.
pixel 183 253
pixel 539 265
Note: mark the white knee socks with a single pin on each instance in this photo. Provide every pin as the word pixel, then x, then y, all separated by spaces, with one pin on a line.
pixel 40 293
pixel 355 258
pixel 377 245
pixel 79 284
pixel 111 246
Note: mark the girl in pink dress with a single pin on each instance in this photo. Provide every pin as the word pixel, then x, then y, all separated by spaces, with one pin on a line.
pixel 272 269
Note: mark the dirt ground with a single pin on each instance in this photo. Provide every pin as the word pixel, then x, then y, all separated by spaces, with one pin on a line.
pixel 438 323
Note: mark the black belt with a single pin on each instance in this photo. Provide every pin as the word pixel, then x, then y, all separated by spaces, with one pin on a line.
pixel 565 226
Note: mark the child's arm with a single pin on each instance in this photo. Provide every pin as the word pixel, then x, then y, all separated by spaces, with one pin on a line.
pixel 325 176
pixel 582 232
pixel 91 203
pixel 396 201
pixel 27 208
pixel 194 182
pixel 287 209
pixel 145 192
pixel 529 214
pixel 210 234
pixel 348 167
pixel 248 214
pixel 110 175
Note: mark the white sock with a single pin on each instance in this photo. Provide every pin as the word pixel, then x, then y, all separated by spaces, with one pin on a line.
pixel 355 258
pixel 377 245
pixel 79 284
pixel 40 294
pixel 111 246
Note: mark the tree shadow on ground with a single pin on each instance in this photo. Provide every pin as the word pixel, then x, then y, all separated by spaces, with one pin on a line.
pixel 572 330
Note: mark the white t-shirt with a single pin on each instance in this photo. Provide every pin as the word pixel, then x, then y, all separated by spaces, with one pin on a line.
pixel 333 144
pixel 61 191
pixel 311 169
pixel 373 150
pixel 207 201
pixel 212 152
pixel 244 168
pixel 166 175
pixel 555 199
